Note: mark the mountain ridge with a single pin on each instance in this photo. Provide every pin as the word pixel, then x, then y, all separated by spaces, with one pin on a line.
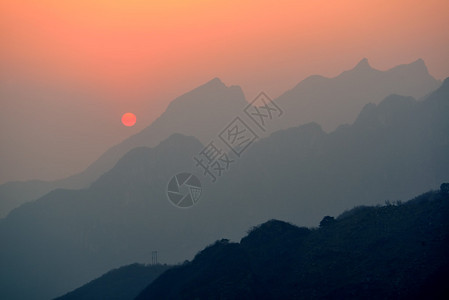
pixel 333 101
pixel 215 102
pixel 388 252
pixel 213 98
pixel 117 219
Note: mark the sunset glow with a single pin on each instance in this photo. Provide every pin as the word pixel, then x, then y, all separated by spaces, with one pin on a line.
pixel 129 119
pixel 139 55
pixel 117 44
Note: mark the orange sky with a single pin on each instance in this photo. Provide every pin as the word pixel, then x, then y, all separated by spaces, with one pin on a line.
pixel 137 55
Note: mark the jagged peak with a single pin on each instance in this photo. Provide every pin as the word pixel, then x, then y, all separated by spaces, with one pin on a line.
pixel 417 66
pixel 214 82
pixel 419 62
pixel 363 65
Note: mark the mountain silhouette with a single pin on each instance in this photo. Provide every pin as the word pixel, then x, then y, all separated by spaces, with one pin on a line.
pixel 201 112
pixel 204 111
pixel 382 252
pixel 332 102
pixel 69 237
pixel 123 283
pixel 394 150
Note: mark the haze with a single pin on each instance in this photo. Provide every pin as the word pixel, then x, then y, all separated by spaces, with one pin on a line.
pixel 70 69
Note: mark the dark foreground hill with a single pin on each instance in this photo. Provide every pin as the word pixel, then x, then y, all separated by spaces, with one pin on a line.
pixel 123 283
pixel 394 150
pixel 396 251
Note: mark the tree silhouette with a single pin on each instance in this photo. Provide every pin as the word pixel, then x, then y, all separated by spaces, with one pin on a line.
pixel 444 187
pixel 326 221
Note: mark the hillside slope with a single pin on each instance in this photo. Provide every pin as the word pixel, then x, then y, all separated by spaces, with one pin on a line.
pixel 123 283
pixel 385 252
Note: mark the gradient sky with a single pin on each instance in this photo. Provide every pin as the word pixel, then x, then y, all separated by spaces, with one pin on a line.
pixel 70 69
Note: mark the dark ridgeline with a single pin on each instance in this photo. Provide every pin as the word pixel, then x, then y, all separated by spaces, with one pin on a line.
pixel 396 251
pixel 394 150
pixel 119 284
pixel 205 110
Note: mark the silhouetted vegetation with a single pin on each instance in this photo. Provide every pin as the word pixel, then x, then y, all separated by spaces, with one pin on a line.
pixel 394 150
pixel 444 188
pixel 385 252
pixel 327 221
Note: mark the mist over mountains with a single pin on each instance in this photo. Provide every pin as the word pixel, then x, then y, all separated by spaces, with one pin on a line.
pixel 332 102
pixel 204 111
pixel 393 150
pixel 387 251
pixel 213 104
pixel 384 252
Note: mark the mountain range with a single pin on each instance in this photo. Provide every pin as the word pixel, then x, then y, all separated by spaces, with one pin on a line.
pixel 119 284
pixel 205 111
pixel 388 251
pixel 382 252
pixel 393 150
pixel 332 102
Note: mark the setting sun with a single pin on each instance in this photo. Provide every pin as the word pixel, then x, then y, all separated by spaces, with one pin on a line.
pixel 129 119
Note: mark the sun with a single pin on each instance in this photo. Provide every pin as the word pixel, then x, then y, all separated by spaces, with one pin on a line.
pixel 129 119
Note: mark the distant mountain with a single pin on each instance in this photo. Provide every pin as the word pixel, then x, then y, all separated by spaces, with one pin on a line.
pixel 382 252
pixel 204 111
pixel 394 149
pixel 123 283
pixel 67 238
pixel 332 102
pixel 201 112
pixel 14 194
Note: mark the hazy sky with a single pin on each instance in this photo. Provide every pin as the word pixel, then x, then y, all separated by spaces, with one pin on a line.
pixel 70 69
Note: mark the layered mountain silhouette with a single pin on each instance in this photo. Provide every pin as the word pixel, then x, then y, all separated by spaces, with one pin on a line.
pixel 332 102
pixel 384 252
pixel 201 112
pixel 66 238
pixel 394 150
pixel 124 283
pixel 204 112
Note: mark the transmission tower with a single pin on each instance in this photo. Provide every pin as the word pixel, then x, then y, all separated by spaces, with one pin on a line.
pixel 154 257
